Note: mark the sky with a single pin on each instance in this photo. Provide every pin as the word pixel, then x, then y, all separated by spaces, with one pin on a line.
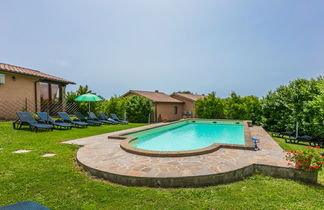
pixel 250 47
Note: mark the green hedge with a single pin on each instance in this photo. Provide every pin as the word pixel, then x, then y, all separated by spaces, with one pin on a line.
pixel 300 101
pixel 210 107
pixel 233 107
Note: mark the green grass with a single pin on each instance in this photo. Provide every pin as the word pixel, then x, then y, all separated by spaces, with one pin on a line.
pixel 57 182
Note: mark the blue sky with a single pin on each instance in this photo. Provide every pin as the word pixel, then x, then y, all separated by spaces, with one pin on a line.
pixel 249 47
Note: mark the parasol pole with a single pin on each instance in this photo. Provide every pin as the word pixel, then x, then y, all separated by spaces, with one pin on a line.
pixel 297 129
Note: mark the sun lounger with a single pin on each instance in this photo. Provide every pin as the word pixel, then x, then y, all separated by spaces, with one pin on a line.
pixel 92 116
pixel 76 123
pixel 24 205
pixel 283 134
pixel 26 118
pixel 59 124
pixel 114 117
pixel 102 116
pixel 90 122
pixel 317 140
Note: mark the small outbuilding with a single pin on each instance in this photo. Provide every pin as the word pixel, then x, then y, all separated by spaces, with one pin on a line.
pixel 24 89
pixel 168 107
pixel 189 100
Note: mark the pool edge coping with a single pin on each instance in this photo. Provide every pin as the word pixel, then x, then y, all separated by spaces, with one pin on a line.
pixel 248 144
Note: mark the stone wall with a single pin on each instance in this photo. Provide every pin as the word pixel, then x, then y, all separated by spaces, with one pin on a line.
pixel 207 180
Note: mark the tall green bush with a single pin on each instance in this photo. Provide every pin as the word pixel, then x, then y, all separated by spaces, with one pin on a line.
pixel 242 108
pixel 234 107
pixel 210 107
pixel 138 109
pixel 114 105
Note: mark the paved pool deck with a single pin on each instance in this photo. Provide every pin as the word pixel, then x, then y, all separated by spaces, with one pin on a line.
pixel 103 157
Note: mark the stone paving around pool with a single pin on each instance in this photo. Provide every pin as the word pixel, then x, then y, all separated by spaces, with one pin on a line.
pixel 103 157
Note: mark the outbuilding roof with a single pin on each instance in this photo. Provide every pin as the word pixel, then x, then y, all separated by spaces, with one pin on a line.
pixel 154 96
pixel 189 96
pixel 33 73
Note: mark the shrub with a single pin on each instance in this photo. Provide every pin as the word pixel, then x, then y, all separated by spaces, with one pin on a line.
pixel 307 160
pixel 210 107
pixel 138 109
pixel 234 107
pixel 114 105
pixel 243 108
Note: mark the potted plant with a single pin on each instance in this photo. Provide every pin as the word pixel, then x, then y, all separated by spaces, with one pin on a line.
pixel 164 119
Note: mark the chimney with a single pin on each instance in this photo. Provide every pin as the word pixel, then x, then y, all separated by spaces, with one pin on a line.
pixel 156 91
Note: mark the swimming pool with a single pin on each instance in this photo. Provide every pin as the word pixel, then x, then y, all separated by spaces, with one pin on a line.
pixel 189 135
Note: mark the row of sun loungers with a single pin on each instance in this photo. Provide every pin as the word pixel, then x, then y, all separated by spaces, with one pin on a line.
pixel 46 122
pixel 290 137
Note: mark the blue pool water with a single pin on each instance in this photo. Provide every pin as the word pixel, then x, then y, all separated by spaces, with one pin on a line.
pixel 188 136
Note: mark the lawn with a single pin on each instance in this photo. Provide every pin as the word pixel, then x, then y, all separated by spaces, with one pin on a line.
pixel 57 182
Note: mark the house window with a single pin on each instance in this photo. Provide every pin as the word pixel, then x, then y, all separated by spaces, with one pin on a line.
pixel 50 93
pixel 175 110
pixel 44 92
pixel 55 93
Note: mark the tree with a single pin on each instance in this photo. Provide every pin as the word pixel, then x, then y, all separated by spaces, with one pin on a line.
pixel 299 101
pixel 70 96
pixel 83 106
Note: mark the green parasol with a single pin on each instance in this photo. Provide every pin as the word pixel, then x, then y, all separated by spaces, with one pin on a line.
pixel 88 98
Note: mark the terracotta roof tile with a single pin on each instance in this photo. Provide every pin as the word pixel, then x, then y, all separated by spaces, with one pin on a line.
pixel 191 97
pixel 154 96
pixel 30 72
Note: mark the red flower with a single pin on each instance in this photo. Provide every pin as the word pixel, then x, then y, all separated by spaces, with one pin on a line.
pixel 289 164
pixel 301 153
pixel 308 146
pixel 317 147
pixel 315 167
